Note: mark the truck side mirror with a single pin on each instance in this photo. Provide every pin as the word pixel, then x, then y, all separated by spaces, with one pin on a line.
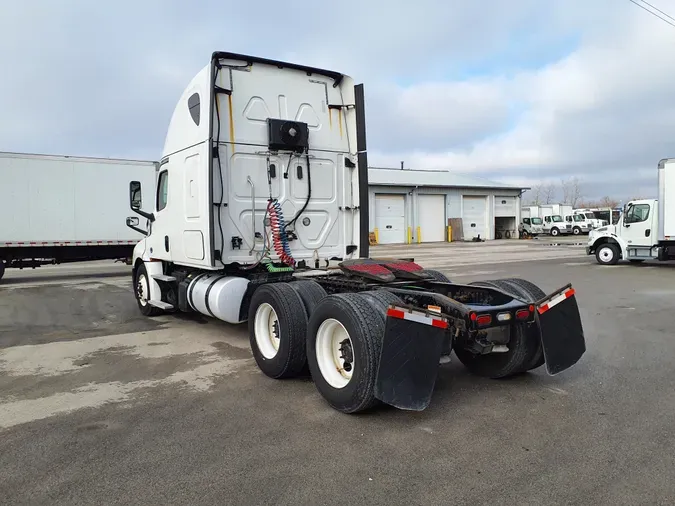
pixel 132 223
pixel 136 201
pixel 135 195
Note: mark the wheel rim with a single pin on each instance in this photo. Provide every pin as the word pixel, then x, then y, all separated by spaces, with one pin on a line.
pixel 577 231
pixel 554 231
pixel 142 289
pixel 266 328
pixel 606 254
pixel 335 353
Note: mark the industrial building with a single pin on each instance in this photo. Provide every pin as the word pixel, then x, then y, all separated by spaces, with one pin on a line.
pixel 411 206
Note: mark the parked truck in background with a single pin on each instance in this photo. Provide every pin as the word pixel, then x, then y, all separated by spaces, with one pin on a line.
pixel 645 229
pixel 260 216
pixel 58 209
pixel 554 220
pixel 592 219
pixel 532 224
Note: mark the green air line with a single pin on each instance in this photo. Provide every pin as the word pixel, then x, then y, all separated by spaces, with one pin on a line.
pixel 271 268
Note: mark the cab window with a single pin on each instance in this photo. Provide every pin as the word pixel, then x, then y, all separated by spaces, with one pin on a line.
pixel 162 190
pixel 526 221
pixel 578 218
pixel 637 213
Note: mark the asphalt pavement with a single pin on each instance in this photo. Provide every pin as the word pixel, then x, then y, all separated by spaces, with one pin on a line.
pixel 99 405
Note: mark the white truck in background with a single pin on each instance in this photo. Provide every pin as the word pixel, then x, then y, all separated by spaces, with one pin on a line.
pixel 554 220
pixel 645 229
pixel 532 224
pixel 261 216
pixel 590 216
pixel 58 209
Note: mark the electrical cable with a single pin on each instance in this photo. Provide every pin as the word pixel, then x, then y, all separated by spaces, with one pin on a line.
pixel 654 13
pixel 220 168
pixel 309 193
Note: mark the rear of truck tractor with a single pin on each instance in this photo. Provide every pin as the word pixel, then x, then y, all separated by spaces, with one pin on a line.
pixel 376 331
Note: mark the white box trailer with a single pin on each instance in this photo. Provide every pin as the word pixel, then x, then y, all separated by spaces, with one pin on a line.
pixel 58 209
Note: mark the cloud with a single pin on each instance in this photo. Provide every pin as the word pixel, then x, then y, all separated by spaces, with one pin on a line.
pixel 519 91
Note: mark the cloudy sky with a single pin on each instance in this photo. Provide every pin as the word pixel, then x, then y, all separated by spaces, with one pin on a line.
pixel 521 91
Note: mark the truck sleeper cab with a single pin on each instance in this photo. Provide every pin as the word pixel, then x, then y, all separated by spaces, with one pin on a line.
pixel 258 218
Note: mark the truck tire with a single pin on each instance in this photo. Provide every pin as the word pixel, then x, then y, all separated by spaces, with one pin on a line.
pixel 522 348
pixel 531 293
pixel 576 231
pixel 607 254
pixel 277 325
pixel 437 275
pixel 2 269
pixel 380 300
pixel 310 292
pixel 344 339
pixel 555 232
pixel 142 292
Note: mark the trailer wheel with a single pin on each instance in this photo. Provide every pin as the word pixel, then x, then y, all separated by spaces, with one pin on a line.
pixel 277 324
pixel 310 292
pixel 607 254
pixel 531 293
pixel 437 275
pixel 344 338
pixel 2 269
pixel 142 292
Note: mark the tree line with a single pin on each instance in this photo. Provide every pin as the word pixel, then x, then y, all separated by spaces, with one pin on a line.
pixel 567 191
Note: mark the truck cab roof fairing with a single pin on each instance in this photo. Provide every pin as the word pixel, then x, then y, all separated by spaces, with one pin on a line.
pixel 221 55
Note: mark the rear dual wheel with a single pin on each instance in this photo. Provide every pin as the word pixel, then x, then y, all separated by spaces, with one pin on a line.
pixel 339 339
pixel 525 352
pixel 344 339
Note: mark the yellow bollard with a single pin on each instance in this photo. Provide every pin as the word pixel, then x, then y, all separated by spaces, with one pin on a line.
pixel 449 233
pixel 409 235
pixel 419 235
pixel 377 236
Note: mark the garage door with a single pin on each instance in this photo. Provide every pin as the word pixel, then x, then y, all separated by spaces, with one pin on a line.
pixel 390 218
pixel 432 217
pixel 505 207
pixel 474 217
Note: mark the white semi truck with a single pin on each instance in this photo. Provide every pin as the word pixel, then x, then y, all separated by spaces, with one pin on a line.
pixel 260 216
pixel 57 209
pixel 646 227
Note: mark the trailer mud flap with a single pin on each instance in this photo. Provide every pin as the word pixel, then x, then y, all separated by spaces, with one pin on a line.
pixel 561 330
pixel 411 351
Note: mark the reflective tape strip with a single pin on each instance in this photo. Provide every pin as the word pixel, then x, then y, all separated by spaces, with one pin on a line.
pixel 61 243
pixel 416 317
pixel 556 300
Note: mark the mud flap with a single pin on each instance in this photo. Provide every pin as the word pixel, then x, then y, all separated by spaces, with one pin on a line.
pixel 561 330
pixel 411 351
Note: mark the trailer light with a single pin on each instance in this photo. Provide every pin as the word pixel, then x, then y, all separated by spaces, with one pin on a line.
pixel 504 317
pixel 484 319
pixel 523 314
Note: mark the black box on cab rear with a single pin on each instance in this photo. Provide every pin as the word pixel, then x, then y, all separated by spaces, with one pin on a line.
pixel 286 135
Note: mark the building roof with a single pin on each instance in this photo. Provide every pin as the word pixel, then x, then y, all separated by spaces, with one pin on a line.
pixel 408 177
